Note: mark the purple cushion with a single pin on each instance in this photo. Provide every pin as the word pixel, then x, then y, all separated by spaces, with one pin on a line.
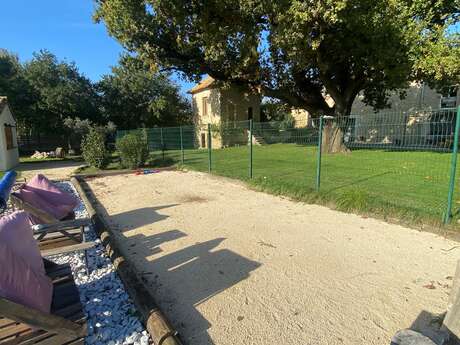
pixel 20 283
pixel 65 202
pixel 33 198
pixel 16 232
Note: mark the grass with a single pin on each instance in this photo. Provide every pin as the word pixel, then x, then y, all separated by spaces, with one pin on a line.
pixel 407 187
pixel 48 159
pixel 114 164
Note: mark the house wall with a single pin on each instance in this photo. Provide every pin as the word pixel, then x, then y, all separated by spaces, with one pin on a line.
pixel 235 104
pixel 302 118
pixel 8 158
pixel 401 124
pixel 213 106
pixel 228 105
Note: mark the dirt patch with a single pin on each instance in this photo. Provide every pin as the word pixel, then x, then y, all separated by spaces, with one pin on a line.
pixel 192 198
pixel 54 170
pixel 244 267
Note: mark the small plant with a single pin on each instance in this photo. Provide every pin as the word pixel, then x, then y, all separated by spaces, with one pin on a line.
pixel 93 148
pixel 133 150
pixel 353 199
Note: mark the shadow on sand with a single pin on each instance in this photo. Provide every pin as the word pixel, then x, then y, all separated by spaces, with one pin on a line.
pixel 180 280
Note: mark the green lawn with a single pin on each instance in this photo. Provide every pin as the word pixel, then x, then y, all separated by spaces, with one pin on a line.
pixel 410 187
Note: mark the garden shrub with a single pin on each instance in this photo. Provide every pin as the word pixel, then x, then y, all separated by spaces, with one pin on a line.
pixel 93 148
pixel 133 150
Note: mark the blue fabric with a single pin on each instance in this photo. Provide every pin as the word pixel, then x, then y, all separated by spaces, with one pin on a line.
pixel 6 184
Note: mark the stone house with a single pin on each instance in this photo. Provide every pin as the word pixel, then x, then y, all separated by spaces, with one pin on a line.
pixel 222 106
pixel 424 117
pixel 9 154
pixel 417 120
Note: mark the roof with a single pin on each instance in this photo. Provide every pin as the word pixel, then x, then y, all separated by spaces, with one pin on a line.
pixel 206 83
pixel 3 102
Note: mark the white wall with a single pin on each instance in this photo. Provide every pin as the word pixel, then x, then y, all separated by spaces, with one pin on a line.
pixel 8 158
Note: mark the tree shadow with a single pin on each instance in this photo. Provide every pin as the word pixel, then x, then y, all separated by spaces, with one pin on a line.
pixel 357 181
pixel 134 219
pixel 179 280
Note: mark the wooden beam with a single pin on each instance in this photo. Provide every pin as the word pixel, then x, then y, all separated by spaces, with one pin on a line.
pixel 68 249
pixel 38 319
pixel 62 225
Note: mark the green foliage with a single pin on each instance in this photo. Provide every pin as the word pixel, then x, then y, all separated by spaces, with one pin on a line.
pixel 93 148
pixel 292 50
pixel 134 96
pixel 133 150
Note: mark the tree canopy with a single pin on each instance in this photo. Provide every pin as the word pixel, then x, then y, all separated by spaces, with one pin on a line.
pixel 134 96
pixel 51 97
pixel 295 50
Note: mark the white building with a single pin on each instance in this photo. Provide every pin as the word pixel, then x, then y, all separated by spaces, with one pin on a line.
pixel 9 154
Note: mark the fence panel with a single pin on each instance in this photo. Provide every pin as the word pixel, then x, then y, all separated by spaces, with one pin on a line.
pixel 394 163
pixel 284 158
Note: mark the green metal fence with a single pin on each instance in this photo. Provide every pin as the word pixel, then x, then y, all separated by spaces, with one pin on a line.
pixel 396 164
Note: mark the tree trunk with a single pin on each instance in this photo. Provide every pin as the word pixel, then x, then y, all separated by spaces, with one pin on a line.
pixel 334 132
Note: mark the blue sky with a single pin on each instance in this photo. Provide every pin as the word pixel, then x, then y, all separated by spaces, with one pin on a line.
pixel 64 27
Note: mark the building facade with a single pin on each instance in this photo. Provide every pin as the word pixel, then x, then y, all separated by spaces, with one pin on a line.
pixel 9 154
pixel 222 106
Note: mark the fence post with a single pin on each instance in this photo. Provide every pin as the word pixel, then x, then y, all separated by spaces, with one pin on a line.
pixel 250 148
pixel 181 146
pixel 209 148
pixel 318 159
pixel 162 143
pixel 453 169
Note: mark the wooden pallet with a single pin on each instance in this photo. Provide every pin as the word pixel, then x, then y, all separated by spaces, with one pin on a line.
pixel 66 323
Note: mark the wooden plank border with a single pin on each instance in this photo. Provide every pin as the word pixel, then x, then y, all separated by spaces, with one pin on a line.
pixel 156 323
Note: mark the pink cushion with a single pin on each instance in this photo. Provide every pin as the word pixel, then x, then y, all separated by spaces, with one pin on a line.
pixel 20 283
pixel 52 194
pixel 16 232
pixel 33 198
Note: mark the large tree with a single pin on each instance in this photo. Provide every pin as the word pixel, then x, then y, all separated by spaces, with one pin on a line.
pixel 134 96
pixel 60 90
pixel 16 87
pixel 296 51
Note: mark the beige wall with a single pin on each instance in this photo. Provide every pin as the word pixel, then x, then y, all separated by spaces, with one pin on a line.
pixel 8 158
pixel 417 97
pixel 212 97
pixel 302 118
pixel 235 104
pixel 400 123
pixel 226 105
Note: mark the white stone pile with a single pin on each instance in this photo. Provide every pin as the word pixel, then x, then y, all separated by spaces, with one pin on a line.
pixel 112 317
pixel 42 155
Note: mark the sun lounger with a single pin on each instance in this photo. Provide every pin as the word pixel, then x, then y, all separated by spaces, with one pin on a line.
pixel 39 301
pixel 65 324
pixel 56 225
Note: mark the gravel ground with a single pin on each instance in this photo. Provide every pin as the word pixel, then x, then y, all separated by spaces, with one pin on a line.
pixel 229 265
pixel 112 317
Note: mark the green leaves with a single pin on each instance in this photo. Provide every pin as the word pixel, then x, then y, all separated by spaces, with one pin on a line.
pixel 293 50
pixel 135 96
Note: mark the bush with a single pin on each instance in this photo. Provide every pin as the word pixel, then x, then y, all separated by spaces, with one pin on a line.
pixel 93 148
pixel 133 150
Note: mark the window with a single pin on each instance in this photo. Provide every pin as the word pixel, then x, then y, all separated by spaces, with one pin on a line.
pixel 9 137
pixel 205 106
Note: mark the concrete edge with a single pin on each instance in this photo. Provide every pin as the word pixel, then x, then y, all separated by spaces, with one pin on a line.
pixel 156 323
